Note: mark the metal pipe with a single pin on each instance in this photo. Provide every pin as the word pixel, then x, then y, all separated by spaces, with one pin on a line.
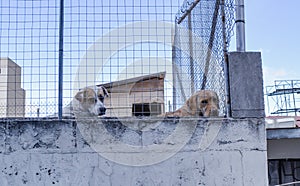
pixel 291 183
pixel 174 34
pixel 188 11
pixel 240 26
pixel 293 92
pixel 226 63
pixel 60 59
pixel 191 53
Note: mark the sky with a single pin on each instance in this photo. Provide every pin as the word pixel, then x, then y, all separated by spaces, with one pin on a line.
pixel 273 28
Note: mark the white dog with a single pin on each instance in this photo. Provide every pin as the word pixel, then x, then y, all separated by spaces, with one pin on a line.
pixel 88 101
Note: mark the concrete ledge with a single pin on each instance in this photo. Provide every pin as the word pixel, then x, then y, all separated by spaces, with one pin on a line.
pixel 283 133
pixel 218 152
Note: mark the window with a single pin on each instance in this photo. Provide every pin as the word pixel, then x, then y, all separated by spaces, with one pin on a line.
pixel 146 109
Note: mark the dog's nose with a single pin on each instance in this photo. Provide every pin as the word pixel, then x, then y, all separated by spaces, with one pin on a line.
pixel 214 112
pixel 102 111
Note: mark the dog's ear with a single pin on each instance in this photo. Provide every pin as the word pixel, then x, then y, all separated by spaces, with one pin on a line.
pixel 192 104
pixel 105 92
pixel 79 96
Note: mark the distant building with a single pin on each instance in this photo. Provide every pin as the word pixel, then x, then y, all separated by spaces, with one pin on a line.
pixel 12 96
pixel 283 139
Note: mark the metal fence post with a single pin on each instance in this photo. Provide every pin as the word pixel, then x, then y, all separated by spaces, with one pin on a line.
pixel 60 60
pixel 191 50
pixel 240 26
pixel 225 52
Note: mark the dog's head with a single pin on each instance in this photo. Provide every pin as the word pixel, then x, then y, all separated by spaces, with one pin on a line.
pixel 92 100
pixel 204 103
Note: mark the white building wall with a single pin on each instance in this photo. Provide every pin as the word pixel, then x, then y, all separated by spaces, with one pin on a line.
pixel 12 96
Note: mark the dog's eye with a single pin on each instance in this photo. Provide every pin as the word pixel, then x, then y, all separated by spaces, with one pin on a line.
pixel 101 98
pixel 92 100
pixel 204 101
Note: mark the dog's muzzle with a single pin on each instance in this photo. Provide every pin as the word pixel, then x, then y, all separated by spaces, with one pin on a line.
pixel 102 111
pixel 214 112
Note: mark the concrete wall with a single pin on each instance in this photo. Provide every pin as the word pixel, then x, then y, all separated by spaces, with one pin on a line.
pixel 184 152
pixel 246 84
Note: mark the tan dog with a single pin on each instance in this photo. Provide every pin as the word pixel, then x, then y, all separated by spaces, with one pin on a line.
pixel 202 103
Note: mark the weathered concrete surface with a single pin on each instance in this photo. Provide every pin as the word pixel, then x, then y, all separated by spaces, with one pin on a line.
pixel 219 152
pixel 246 84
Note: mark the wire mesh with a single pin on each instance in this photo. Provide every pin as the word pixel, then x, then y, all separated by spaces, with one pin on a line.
pixel 105 43
pixel 28 50
pixel 200 53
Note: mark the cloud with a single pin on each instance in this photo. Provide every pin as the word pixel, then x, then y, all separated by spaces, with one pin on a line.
pixel 271 74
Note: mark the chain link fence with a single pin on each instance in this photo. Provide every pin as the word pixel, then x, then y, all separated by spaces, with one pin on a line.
pixel 202 34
